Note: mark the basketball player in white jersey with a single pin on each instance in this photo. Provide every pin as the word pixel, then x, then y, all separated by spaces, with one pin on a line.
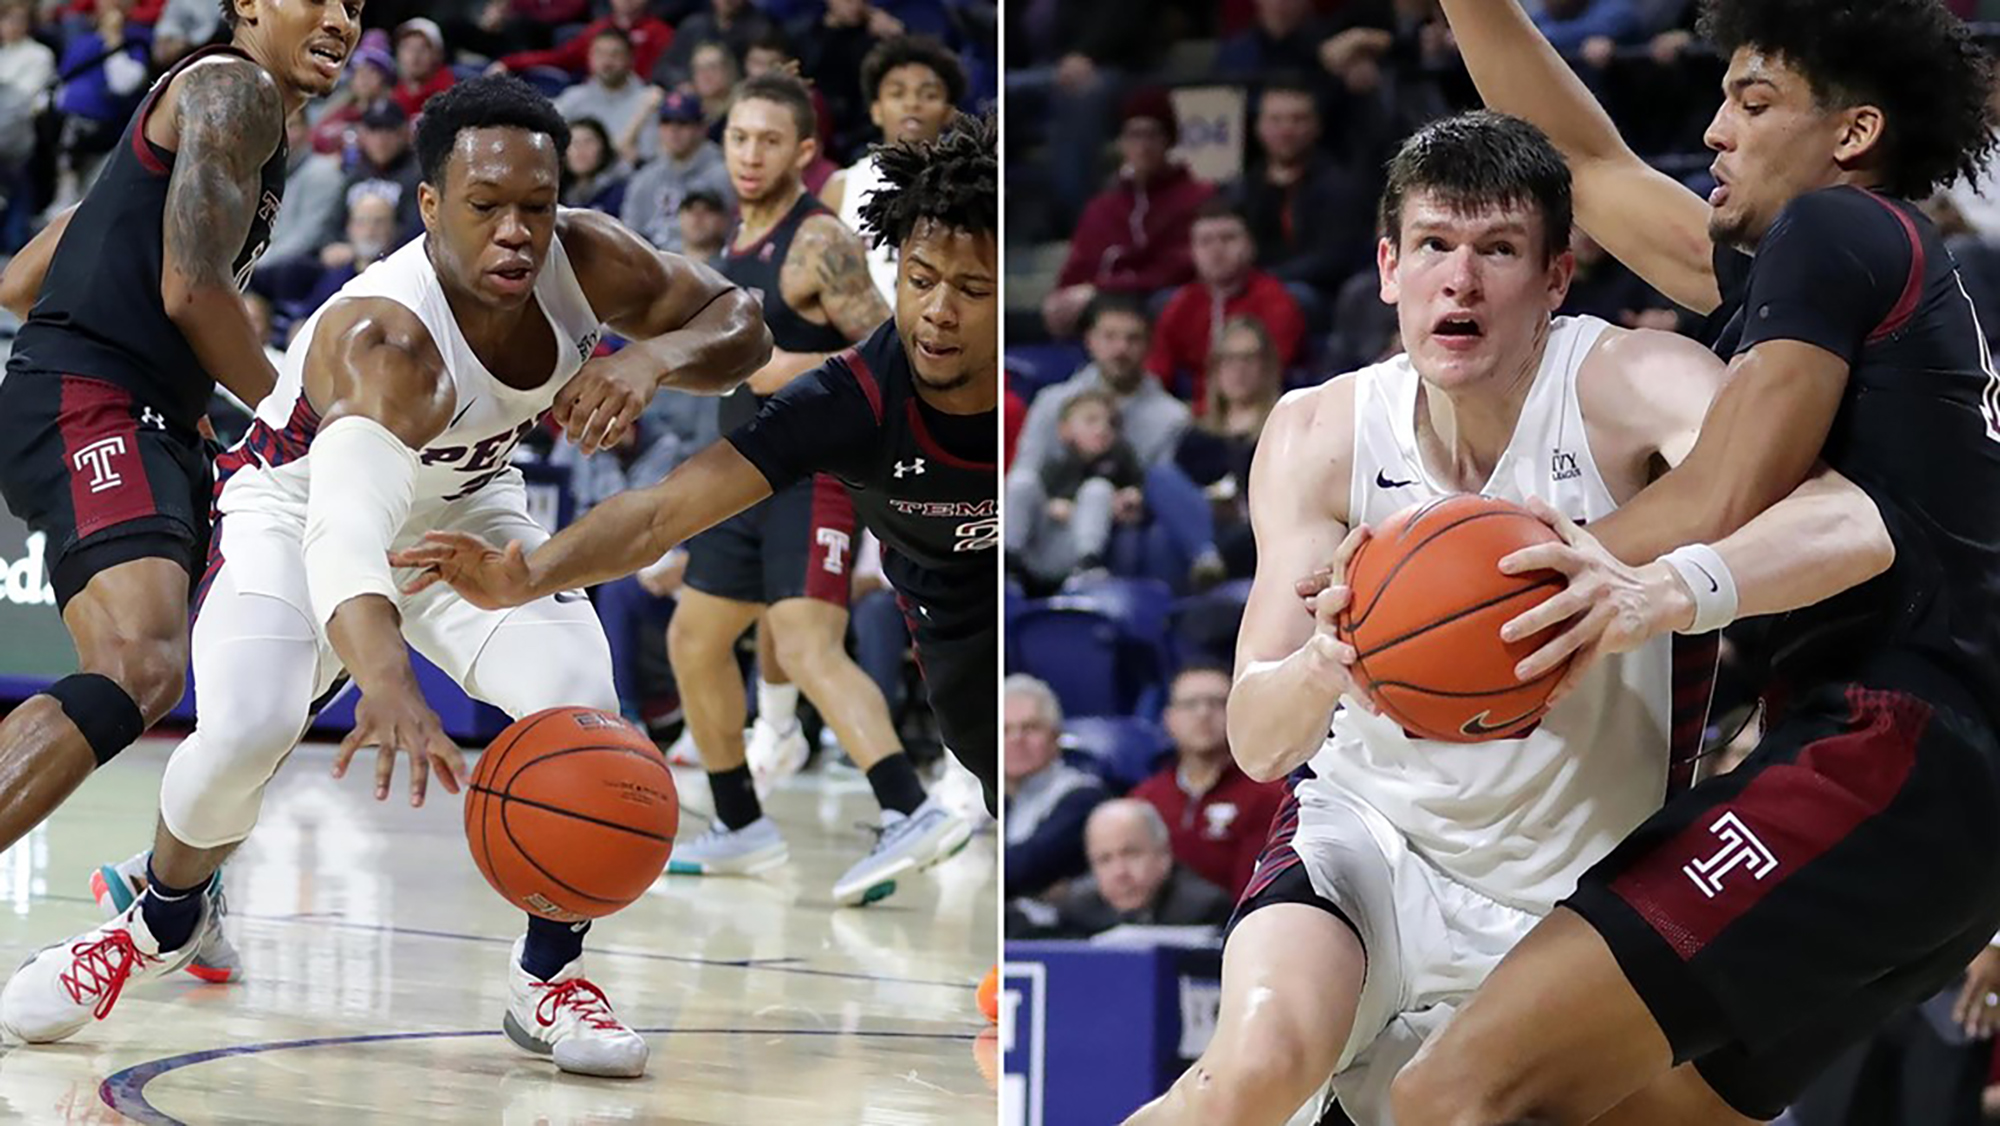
pixel 395 415
pixel 1401 870
pixel 914 84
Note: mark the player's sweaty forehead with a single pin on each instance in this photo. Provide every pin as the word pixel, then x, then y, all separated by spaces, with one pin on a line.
pixel 965 257
pixel 504 159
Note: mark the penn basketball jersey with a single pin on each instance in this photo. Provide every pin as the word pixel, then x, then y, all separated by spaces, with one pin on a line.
pixel 100 313
pixel 858 183
pixel 1517 819
pixel 757 268
pixel 271 470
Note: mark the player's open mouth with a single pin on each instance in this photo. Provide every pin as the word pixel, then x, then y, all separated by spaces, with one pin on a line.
pixel 1458 331
pixel 328 58
pixel 935 351
pixel 1719 194
pixel 513 279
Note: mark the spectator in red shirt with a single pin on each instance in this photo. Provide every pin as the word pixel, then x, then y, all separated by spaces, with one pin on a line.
pixel 420 62
pixel 1133 237
pixel 1227 284
pixel 1216 816
pixel 650 39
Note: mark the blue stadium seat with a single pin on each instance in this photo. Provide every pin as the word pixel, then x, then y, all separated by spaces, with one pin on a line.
pixel 1031 367
pixel 1122 750
pixel 548 79
pixel 1103 647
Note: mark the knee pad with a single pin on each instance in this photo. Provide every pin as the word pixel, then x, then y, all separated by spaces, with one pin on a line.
pixel 213 788
pixel 105 713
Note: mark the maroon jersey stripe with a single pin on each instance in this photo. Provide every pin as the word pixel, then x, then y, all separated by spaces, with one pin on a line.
pixel 830 555
pixel 107 477
pixel 1913 285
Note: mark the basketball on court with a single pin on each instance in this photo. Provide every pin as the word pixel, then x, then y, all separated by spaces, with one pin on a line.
pixel 1425 618
pixel 571 813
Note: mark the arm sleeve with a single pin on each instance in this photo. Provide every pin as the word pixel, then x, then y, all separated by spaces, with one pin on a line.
pixel 1055 850
pixel 1829 272
pixel 820 421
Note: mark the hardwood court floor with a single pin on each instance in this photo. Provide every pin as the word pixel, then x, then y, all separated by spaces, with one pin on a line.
pixel 376 976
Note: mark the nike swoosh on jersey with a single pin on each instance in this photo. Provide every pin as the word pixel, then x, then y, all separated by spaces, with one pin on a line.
pixel 462 410
pixel 1382 481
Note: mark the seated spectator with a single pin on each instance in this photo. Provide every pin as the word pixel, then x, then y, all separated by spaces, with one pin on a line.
pixel 370 75
pixel 704 225
pixel 104 72
pixel 27 73
pixel 616 99
pixel 593 175
pixel 713 80
pixel 1107 45
pixel 1312 220
pixel 733 23
pixel 1244 383
pixel 646 38
pixel 913 87
pixel 1286 36
pixel 1133 237
pixel 1047 799
pixel 1216 815
pixel 1134 878
pixel 1227 284
pixel 420 64
pixel 1114 337
pixel 1060 521
pixel 183 25
pixel 383 164
pixel 298 286
pixel 688 162
pixel 1014 415
pixel 315 195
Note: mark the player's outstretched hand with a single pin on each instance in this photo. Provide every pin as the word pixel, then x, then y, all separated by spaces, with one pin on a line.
pixel 399 720
pixel 603 399
pixel 1609 606
pixel 1326 594
pixel 1977 1009
pixel 482 574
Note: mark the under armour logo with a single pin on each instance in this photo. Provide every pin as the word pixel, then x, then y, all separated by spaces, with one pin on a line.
pixel 1564 466
pixel 150 417
pixel 914 468
pixel 835 541
pixel 1740 849
pixel 95 458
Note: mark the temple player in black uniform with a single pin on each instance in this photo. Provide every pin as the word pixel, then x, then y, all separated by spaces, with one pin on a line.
pixel 1850 867
pixel 906 421
pixel 137 312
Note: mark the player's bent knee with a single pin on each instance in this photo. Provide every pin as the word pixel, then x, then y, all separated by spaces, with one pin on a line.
pixel 1433 1092
pixel 104 713
pixel 213 788
pixel 1247 1088
pixel 151 671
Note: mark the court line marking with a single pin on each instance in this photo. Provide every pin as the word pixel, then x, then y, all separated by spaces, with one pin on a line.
pixel 125 1091
pixel 780 965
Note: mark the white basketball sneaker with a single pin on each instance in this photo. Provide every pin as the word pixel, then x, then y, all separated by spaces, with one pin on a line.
pixel 774 754
pixel 722 851
pixel 68 985
pixel 907 845
pixel 570 1020
pixel 117 886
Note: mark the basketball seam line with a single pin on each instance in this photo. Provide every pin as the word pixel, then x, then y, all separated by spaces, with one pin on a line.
pixel 1414 549
pixel 1456 615
pixel 560 811
pixel 524 854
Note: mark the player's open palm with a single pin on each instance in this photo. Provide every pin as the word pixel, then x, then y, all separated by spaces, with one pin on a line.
pixel 602 401
pixel 486 576
pixel 1606 603
pixel 398 721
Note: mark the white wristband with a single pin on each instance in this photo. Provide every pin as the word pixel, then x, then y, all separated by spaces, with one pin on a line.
pixel 363 482
pixel 1708 579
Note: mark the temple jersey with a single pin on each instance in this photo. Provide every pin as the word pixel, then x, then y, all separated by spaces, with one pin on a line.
pixel 100 313
pixel 925 483
pixel 270 471
pixel 1518 819
pixel 1868 278
pixel 756 268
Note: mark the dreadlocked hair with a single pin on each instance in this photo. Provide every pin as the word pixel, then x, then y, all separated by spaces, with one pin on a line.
pixel 953 181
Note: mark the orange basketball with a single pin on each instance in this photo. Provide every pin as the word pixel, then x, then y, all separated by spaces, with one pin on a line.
pixel 571 813
pixel 1425 618
pixel 989 995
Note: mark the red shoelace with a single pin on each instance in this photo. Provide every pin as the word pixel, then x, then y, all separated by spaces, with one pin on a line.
pixel 586 999
pixel 108 962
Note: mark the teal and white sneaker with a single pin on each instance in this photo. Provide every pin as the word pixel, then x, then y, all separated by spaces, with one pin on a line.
pixel 721 851
pixel 905 846
pixel 117 886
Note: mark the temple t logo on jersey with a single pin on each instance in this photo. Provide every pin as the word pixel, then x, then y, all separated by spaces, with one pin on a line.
pixel 835 542
pixel 95 459
pixel 1740 849
pixel 914 467
pixel 1565 467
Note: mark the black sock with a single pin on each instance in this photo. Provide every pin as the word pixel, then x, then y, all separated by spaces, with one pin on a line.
pixel 170 912
pixel 896 784
pixel 551 946
pixel 736 802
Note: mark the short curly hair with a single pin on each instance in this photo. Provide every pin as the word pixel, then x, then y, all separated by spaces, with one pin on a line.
pixel 908 50
pixel 1913 58
pixel 954 181
pixel 486 101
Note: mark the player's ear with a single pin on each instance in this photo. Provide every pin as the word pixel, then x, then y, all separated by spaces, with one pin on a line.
pixel 1562 269
pixel 808 151
pixel 1860 132
pixel 1385 267
pixel 427 204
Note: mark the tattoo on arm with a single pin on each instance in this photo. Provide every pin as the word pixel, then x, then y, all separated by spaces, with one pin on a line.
pixel 230 123
pixel 846 291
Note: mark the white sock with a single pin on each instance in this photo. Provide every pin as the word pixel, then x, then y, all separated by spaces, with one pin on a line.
pixel 778 704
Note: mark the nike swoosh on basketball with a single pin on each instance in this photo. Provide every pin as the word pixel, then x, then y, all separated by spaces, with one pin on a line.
pixel 1477 725
pixel 1382 481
